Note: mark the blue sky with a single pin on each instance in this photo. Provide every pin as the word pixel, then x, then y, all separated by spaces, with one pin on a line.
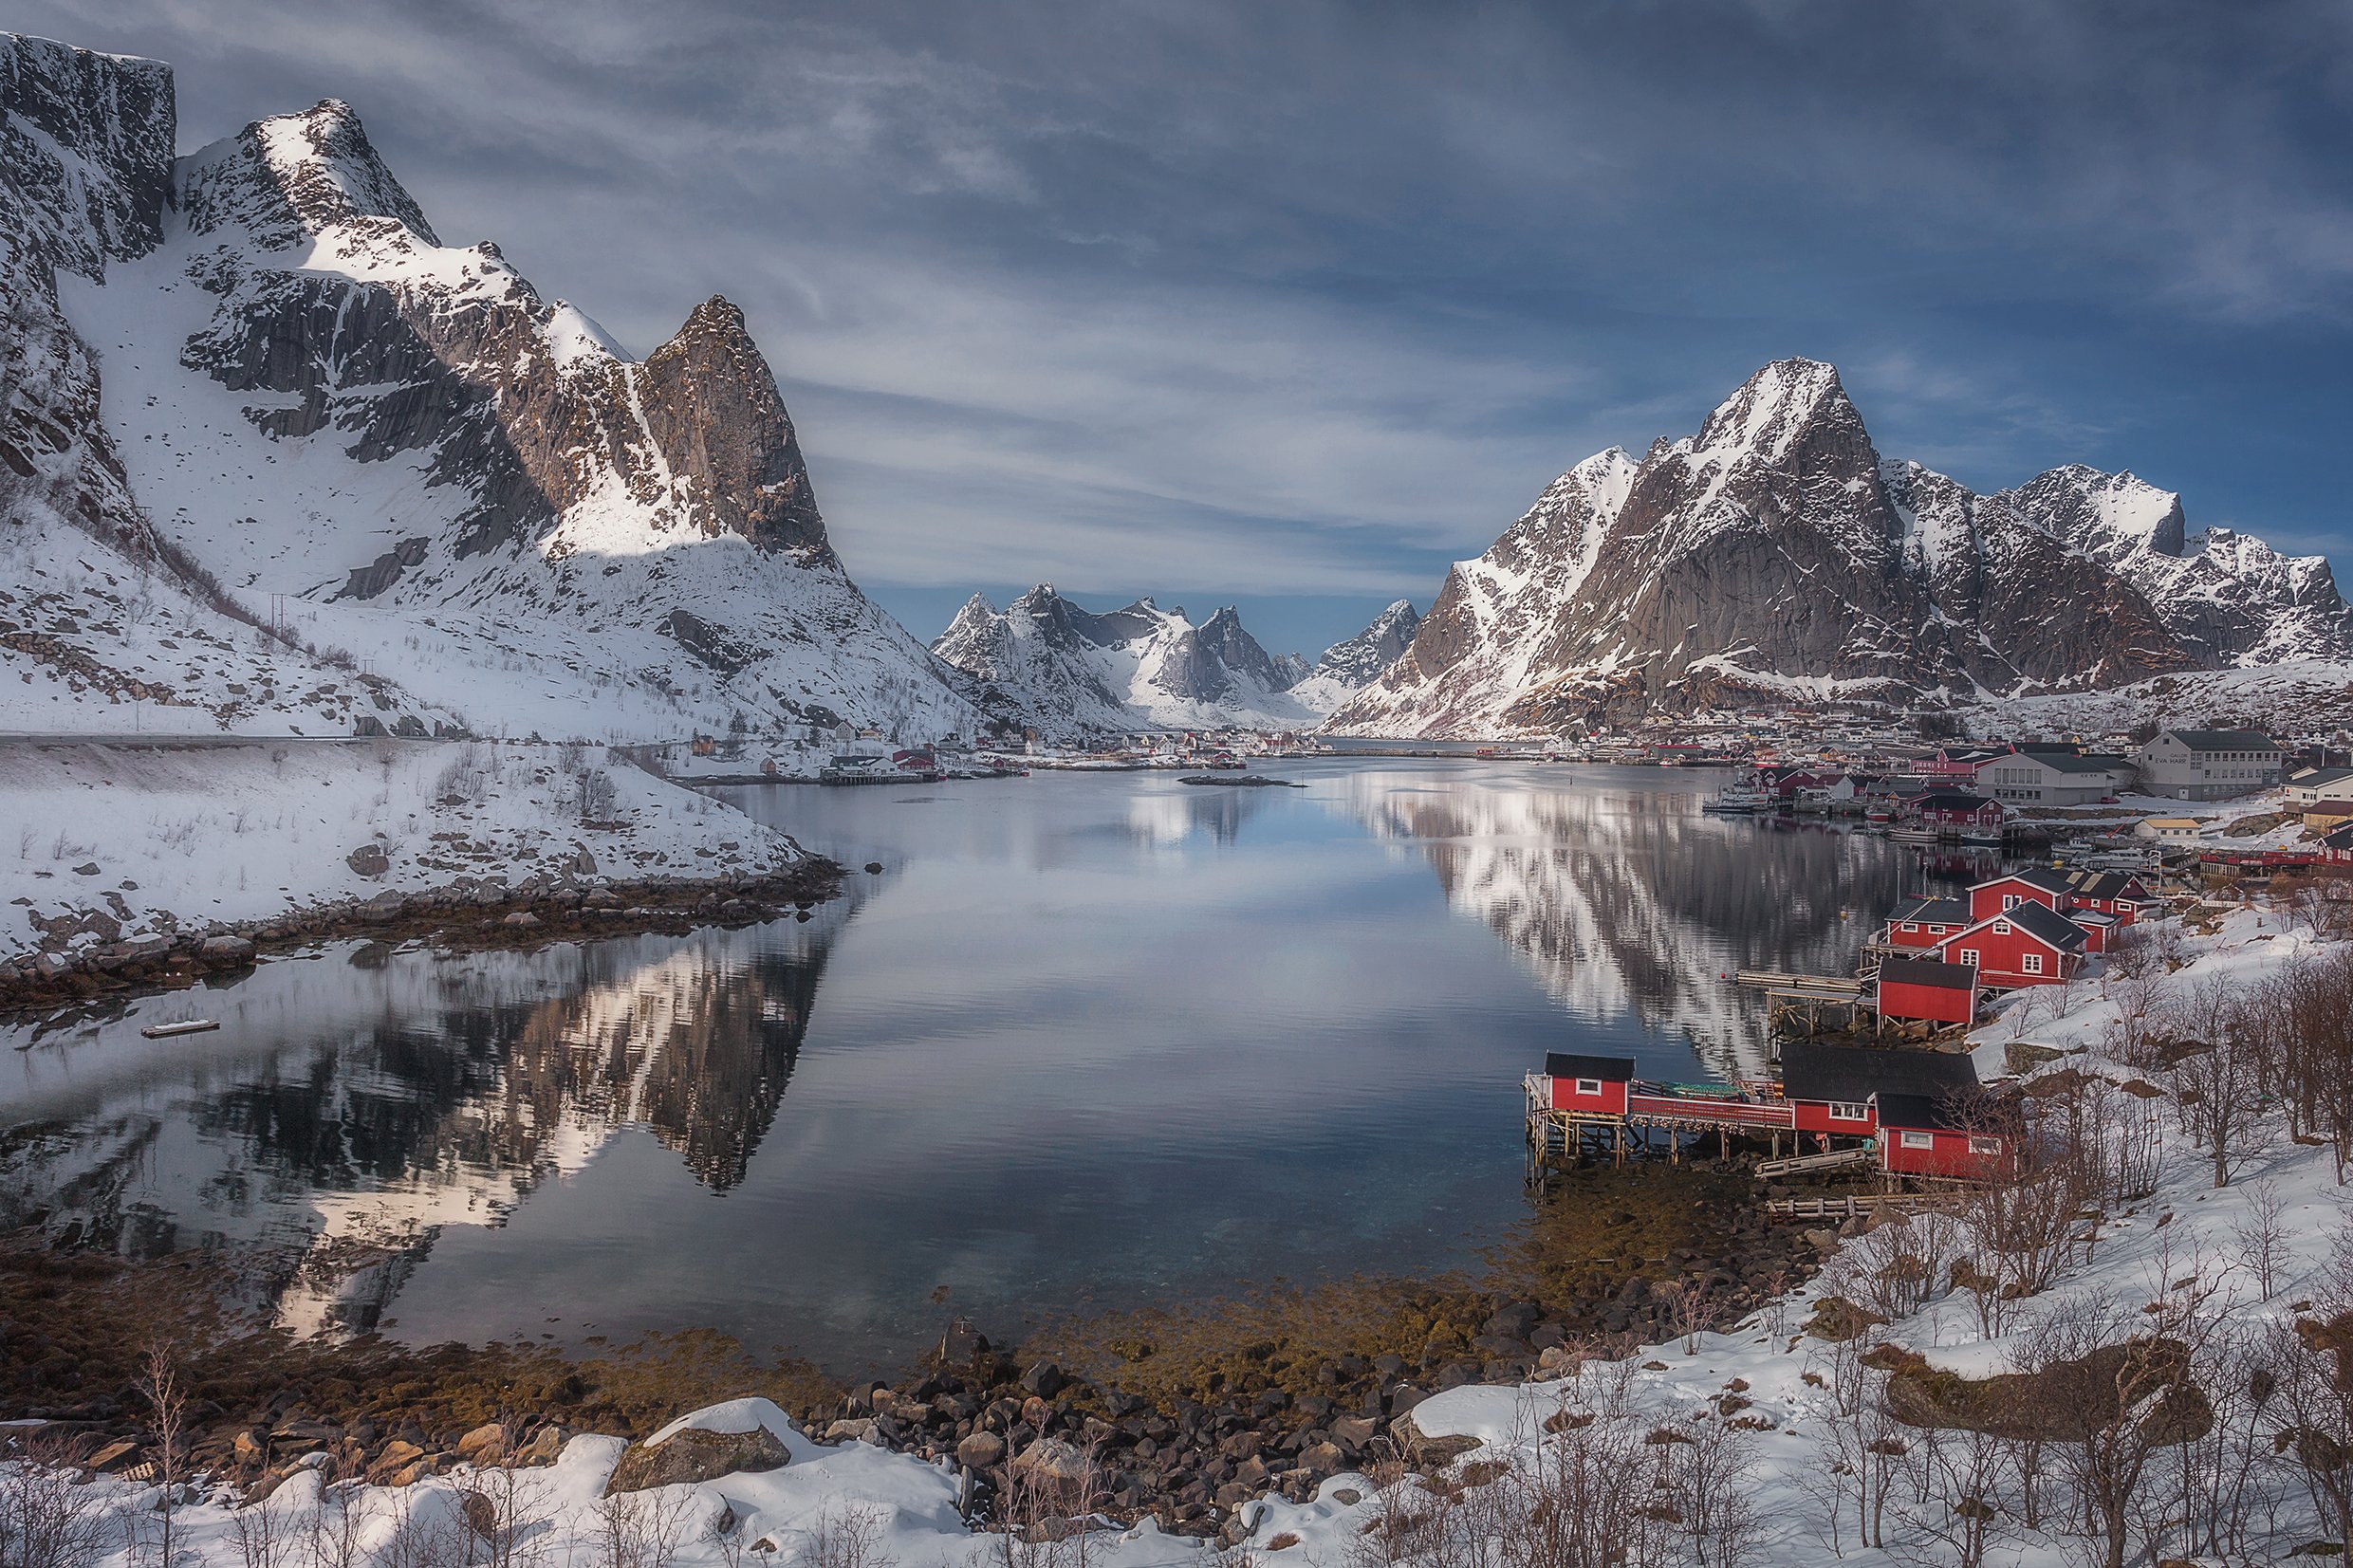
pixel 1290 305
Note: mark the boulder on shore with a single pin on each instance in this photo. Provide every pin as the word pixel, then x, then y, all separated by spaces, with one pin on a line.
pixel 693 1455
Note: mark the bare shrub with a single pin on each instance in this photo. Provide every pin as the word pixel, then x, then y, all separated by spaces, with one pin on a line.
pixel 503 1505
pixel 642 1529
pixel 846 1535
pixel 48 1519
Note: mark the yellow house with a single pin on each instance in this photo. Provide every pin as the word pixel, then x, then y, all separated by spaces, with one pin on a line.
pixel 2167 829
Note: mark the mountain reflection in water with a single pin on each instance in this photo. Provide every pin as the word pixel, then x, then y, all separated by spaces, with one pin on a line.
pixel 1090 1039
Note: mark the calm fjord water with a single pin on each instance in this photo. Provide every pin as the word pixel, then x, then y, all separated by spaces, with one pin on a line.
pixel 1089 1039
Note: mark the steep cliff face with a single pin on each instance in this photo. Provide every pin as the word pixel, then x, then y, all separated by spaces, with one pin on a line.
pixel 1774 557
pixel 1046 664
pixel 402 448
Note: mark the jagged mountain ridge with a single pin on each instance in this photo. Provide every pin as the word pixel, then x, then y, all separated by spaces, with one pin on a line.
pixel 1353 663
pixel 1775 557
pixel 310 398
pixel 1048 664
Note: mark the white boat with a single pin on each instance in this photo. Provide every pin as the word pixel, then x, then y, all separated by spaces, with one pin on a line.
pixel 185 1026
pixel 1737 799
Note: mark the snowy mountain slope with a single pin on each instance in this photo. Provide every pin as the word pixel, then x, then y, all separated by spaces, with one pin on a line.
pixel 1774 557
pixel 399 449
pixel 1044 663
pixel 105 624
pixel 1349 666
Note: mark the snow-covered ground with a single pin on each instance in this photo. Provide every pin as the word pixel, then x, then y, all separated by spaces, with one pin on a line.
pixel 160 837
pixel 1765 1429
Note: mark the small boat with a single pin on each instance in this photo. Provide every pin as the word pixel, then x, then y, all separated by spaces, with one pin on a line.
pixel 1735 799
pixel 185 1026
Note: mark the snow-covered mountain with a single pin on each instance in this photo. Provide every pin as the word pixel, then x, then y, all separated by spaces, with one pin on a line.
pixel 1349 666
pixel 1774 558
pixel 252 388
pixel 1044 663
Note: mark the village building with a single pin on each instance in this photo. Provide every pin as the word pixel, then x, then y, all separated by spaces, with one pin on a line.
pixel 1924 922
pixel 2047 778
pixel 1957 809
pixel 1924 1135
pixel 1926 990
pixel 2327 816
pixel 1592 1084
pixel 2208 764
pixel 2044 885
pixel 2028 944
pixel 2169 830
pixel 2315 785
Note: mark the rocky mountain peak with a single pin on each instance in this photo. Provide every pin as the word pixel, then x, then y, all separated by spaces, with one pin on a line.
pixel 1773 557
pixel 290 178
pixel 1772 410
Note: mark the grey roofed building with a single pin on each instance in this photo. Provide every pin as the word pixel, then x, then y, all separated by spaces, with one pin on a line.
pixel 1854 1073
pixel 2207 765
pixel 1609 1069
pixel 2047 778
pixel 1933 912
pixel 1927 972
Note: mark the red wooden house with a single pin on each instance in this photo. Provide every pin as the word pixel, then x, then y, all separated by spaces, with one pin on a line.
pixel 1830 1088
pixel 1924 922
pixel 2029 945
pixel 2108 892
pixel 1956 809
pixel 1594 1083
pixel 2042 885
pixel 1928 1135
pixel 1927 989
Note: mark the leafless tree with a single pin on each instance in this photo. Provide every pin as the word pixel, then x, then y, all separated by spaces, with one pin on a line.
pixel 642 1529
pixel 2261 1241
pixel 155 1536
pixel 1957 1507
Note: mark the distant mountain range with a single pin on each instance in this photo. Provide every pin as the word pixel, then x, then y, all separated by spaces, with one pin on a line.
pixel 1775 558
pixel 275 458
pixel 1046 664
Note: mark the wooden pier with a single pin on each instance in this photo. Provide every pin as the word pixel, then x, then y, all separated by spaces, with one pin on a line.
pixel 1668 1119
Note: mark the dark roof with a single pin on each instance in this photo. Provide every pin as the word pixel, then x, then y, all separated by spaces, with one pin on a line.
pixel 2224 740
pixel 2339 837
pixel 2071 762
pixel 2049 879
pixel 2329 808
pixel 2103 884
pixel 1927 972
pixel 1609 1069
pixel 1953 800
pixel 1929 1113
pixel 2047 749
pixel 2311 776
pixel 1813 1071
pixel 1936 911
pixel 2040 920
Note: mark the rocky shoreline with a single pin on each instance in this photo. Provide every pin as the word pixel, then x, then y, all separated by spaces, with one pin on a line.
pixel 1260 1417
pixel 538 910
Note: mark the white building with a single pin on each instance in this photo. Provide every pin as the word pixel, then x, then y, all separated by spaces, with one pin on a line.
pixel 2315 785
pixel 2047 778
pixel 2207 765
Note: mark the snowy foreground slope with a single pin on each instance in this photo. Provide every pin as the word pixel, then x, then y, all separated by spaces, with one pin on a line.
pixel 1757 1444
pixel 1775 557
pixel 117 843
pixel 248 395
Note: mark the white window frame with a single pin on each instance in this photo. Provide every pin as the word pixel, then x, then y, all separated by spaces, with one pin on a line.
pixel 1979 1144
pixel 1916 1140
pixel 1968 956
pixel 2001 927
pixel 1847 1110
pixel 2010 901
pixel 2031 964
pixel 1588 1086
